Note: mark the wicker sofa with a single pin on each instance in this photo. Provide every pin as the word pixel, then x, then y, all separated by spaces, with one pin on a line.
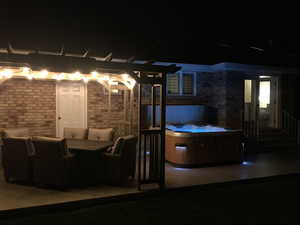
pixel 47 161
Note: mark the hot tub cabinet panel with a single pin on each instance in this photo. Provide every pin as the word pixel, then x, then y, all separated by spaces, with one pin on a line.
pixel 196 149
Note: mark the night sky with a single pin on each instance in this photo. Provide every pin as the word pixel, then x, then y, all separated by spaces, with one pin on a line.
pixel 166 33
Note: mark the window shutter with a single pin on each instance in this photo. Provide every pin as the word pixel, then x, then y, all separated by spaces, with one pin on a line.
pixel 188 83
pixel 173 84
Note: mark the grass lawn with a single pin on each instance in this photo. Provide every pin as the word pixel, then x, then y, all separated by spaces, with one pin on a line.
pixel 275 201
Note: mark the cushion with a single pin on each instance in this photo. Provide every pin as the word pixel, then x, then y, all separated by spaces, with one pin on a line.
pixel 41 138
pixel 118 145
pixel 16 132
pixel 105 134
pixel 75 133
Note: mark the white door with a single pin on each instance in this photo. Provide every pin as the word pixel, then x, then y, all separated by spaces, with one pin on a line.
pixel 71 106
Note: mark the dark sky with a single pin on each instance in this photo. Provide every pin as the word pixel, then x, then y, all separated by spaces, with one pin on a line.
pixel 169 32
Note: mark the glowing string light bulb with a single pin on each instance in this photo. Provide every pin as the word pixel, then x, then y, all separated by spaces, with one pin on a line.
pixel 94 74
pixel 85 79
pixel 43 74
pixel 7 73
pixel 59 77
pixel 29 76
pixel 25 70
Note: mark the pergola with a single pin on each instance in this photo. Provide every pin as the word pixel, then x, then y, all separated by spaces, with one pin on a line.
pixel 60 66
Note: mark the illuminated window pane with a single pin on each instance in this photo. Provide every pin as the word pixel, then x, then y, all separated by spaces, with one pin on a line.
pixel 248 91
pixel 264 94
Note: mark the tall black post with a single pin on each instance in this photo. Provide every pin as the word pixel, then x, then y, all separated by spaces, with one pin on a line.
pixel 163 129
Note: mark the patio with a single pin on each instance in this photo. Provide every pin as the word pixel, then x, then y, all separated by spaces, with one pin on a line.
pixel 265 164
pixel 15 196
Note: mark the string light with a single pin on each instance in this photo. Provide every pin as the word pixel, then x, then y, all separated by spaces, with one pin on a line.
pixel 59 77
pixel 29 76
pixel 94 74
pixel 111 82
pixel 7 73
pixel 125 76
pixel 85 79
pixel 76 76
pixel 105 80
pixel 25 70
pixel 44 73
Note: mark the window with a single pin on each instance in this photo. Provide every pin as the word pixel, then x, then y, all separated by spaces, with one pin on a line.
pixel 188 83
pixel 173 84
pixel 182 83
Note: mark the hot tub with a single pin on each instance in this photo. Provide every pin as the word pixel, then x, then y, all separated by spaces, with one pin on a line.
pixel 193 145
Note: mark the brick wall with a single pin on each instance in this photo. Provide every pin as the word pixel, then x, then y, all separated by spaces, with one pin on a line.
pixel 234 99
pixel 99 115
pixel 29 104
pixel 32 104
pixel 211 90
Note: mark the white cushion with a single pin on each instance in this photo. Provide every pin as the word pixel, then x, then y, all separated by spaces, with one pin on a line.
pixel 105 134
pixel 75 133
pixel 16 132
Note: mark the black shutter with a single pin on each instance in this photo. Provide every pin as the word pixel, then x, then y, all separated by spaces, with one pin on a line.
pixel 188 83
pixel 173 84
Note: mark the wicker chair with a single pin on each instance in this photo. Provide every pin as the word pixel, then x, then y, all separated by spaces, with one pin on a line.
pixel 121 165
pixel 52 164
pixel 17 159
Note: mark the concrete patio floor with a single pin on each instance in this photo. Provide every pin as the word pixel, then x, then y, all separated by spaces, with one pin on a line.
pixel 14 196
pixel 256 166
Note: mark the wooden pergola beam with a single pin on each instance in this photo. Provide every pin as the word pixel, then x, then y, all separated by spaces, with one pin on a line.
pixel 69 64
pixel 85 54
pixel 149 62
pixel 62 51
pixel 131 59
pixel 108 58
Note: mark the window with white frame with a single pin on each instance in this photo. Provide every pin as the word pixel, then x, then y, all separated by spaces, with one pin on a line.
pixel 181 83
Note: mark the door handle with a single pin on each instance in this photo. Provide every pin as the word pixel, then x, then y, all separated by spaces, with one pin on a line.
pixel 59 118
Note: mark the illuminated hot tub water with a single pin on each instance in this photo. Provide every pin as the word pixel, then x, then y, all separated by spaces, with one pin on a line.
pixel 191 128
pixel 192 145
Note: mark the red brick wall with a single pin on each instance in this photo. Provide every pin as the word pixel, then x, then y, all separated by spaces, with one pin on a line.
pixel 99 115
pixel 32 104
pixel 28 104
